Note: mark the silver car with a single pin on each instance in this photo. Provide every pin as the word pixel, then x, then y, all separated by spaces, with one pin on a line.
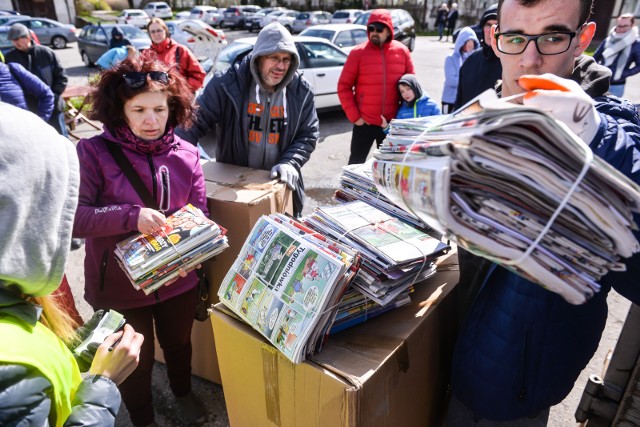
pixel 49 32
pixel 305 20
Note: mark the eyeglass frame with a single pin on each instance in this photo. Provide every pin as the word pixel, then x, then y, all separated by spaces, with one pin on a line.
pixel 535 38
pixel 153 75
pixel 275 60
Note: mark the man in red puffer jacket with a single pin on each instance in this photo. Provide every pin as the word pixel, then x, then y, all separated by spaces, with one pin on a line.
pixel 368 84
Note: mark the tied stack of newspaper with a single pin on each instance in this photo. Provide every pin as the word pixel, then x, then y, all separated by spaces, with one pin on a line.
pixel 286 284
pixel 356 183
pixel 187 239
pixel 394 257
pixel 513 185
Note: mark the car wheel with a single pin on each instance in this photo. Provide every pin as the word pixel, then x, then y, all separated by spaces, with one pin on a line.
pixel 86 60
pixel 412 43
pixel 59 42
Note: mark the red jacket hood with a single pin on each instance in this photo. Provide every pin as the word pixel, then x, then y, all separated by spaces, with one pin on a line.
pixel 382 16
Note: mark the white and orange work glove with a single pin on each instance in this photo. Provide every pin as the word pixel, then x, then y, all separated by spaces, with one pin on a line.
pixel 288 174
pixel 565 100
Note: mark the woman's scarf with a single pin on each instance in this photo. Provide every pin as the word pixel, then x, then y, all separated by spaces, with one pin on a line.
pixel 618 46
pixel 125 135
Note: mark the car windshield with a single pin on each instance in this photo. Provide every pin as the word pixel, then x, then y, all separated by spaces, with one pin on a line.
pixel 363 19
pixel 314 32
pixel 132 32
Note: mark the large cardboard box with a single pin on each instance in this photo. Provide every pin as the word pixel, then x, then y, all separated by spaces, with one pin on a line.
pixel 237 196
pixel 390 371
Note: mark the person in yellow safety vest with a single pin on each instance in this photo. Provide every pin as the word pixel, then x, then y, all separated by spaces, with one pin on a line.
pixel 41 381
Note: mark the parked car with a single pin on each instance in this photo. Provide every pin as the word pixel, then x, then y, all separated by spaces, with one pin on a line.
pixel 345 36
pixel 320 63
pixel 184 14
pixel 305 20
pixel 93 40
pixel 287 18
pixel 235 16
pixel 345 16
pixel 214 17
pixel 50 32
pixel 158 9
pixel 136 17
pixel 4 19
pixel 203 40
pixel 404 27
pixel 253 22
pixel 199 12
pixel 271 17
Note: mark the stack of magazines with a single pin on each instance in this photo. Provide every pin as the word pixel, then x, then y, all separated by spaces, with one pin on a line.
pixel 511 184
pixel 187 239
pixel 286 284
pixel 356 183
pixel 394 254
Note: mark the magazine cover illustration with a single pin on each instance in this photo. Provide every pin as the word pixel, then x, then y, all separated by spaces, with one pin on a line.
pixel 288 329
pixel 308 282
pixel 251 299
pixel 233 284
pixel 268 313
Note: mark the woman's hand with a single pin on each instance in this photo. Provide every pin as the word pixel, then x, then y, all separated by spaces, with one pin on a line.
pixel 150 221
pixel 118 356
pixel 183 273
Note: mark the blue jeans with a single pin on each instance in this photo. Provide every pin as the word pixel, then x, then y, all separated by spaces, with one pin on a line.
pixel 617 90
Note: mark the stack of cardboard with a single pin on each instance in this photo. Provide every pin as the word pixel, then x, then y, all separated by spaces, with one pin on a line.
pixel 391 370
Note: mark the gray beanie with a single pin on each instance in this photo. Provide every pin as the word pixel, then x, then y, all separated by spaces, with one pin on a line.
pixel 17 31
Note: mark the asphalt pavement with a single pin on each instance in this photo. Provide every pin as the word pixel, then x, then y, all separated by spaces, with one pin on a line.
pixel 321 175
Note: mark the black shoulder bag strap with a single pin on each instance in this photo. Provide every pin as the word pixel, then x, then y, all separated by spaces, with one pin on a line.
pixel 132 175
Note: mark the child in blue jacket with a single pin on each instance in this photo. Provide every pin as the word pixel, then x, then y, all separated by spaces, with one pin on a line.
pixel 416 103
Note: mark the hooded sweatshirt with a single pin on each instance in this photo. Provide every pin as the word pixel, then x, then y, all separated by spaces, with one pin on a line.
pixel 266 110
pixel 35 260
pixel 453 63
pixel 118 39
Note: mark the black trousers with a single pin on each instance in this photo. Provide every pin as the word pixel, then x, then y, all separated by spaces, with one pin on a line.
pixel 362 138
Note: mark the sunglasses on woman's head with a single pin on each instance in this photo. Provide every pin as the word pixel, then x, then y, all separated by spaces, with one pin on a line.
pixel 136 80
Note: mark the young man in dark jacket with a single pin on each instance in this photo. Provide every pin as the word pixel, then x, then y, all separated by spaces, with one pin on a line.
pixel 368 84
pixel 41 61
pixel 522 347
pixel 263 112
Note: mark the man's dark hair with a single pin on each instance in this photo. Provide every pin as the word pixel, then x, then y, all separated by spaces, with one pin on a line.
pixel 585 8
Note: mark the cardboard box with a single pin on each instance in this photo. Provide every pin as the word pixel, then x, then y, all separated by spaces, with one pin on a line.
pixel 392 370
pixel 237 197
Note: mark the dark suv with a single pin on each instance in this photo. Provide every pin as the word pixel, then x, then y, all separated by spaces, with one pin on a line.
pixel 404 27
pixel 234 16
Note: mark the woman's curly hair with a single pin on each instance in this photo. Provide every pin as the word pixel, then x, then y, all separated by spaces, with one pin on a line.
pixel 110 91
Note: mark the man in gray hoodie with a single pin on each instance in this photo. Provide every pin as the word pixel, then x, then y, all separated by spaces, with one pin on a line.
pixel 263 112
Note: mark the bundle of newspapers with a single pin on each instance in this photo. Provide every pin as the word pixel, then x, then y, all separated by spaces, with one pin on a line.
pixel 286 284
pixel 394 254
pixel 513 185
pixel 356 183
pixel 187 239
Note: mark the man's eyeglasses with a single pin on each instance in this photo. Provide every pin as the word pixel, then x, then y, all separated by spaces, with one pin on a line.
pixel 553 43
pixel 136 80
pixel 376 28
pixel 277 60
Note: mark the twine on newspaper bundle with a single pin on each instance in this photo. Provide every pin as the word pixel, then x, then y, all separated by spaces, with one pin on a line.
pixel 585 168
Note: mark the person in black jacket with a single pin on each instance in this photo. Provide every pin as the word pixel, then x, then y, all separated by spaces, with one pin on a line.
pixel 481 70
pixel 118 39
pixel 452 18
pixel 42 62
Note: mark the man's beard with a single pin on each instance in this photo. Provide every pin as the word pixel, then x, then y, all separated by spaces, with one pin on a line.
pixel 377 40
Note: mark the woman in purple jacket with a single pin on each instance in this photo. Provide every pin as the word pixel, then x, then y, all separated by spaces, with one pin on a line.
pixel 140 102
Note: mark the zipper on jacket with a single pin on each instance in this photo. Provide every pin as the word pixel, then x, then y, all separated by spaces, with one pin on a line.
pixel 154 180
pixel 523 379
pixel 265 134
pixel 165 196
pixel 103 269
pixel 384 79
